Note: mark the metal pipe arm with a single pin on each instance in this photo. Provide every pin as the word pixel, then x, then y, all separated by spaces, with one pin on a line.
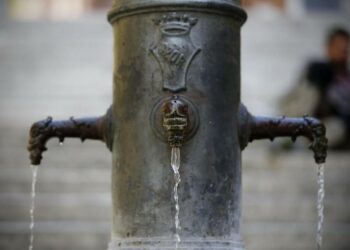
pixel 311 128
pixel 95 128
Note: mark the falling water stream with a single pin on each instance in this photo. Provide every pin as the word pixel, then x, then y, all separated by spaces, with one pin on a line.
pixel 320 204
pixel 175 165
pixel 32 209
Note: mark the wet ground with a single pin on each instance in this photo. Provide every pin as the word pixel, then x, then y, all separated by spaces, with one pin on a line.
pixel 64 69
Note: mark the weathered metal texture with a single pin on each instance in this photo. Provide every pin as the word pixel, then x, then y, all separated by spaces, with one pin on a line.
pixel 94 128
pixel 191 49
pixel 175 120
pixel 311 128
pixel 177 83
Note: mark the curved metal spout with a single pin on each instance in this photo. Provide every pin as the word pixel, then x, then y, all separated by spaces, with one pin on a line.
pixel 311 128
pixel 41 132
pixel 175 121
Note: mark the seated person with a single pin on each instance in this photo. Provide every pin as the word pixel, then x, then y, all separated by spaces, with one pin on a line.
pixel 324 90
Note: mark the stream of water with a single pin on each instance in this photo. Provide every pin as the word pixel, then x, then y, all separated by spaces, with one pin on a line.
pixel 175 165
pixel 32 208
pixel 320 205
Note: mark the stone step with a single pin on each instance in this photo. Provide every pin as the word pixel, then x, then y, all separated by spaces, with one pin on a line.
pixel 294 236
pixel 299 181
pixel 57 179
pixel 97 206
pixel 293 209
pixel 79 206
pixel 56 235
pixel 90 170
pixel 94 236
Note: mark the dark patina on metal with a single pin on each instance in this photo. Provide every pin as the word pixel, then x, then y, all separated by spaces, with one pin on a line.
pixel 174 51
pixel 41 132
pixel 311 128
pixel 174 120
pixel 177 80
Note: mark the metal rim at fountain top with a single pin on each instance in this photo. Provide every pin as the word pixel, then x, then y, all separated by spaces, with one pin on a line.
pixel 124 8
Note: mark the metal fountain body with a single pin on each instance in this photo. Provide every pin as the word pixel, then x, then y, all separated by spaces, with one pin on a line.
pixel 177 84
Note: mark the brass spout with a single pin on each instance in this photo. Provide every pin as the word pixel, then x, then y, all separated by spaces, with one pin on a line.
pixel 175 121
pixel 84 129
pixel 311 128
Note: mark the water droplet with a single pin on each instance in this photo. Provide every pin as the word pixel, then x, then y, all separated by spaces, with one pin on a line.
pixel 61 144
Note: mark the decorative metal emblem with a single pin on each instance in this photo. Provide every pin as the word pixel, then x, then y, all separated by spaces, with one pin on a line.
pixel 175 120
pixel 175 51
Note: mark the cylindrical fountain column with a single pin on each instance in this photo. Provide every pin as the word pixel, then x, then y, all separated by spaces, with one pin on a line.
pixel 186 50
pixel 177 91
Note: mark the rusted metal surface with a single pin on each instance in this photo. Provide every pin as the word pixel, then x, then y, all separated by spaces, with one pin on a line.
pixel 166 127
pixel 311 128
pixel 177 80
pixel 84 129
pixel 175 121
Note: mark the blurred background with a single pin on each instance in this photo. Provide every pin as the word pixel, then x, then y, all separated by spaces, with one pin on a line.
pixel 56 59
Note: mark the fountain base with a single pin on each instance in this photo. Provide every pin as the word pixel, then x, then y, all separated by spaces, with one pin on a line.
pixel 234 243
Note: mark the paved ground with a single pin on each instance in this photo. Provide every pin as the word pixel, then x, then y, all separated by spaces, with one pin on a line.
pixel 61 69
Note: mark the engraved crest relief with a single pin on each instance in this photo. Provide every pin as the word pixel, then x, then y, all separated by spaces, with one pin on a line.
pixel 174 51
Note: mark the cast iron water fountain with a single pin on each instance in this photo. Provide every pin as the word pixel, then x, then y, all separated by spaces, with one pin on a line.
pixel 177 90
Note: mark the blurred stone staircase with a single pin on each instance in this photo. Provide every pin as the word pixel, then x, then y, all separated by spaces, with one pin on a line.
pixel 74 206
pixel 279 200
pixel 73 198
pixel 65 69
